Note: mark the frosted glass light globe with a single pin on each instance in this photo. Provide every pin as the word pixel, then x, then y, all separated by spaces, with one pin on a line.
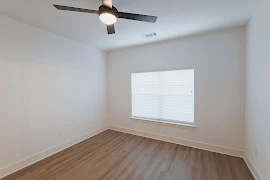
pixel 107 18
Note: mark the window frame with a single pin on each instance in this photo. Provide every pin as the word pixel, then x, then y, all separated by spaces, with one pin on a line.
pixel 169 122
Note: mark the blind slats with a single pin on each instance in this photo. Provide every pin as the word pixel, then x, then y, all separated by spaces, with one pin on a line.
pixel 165 95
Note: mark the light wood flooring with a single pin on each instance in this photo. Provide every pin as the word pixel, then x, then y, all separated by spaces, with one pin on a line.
pixel 114 155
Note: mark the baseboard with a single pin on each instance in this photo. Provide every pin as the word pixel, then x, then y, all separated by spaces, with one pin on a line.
pixel 194 144
pixel 33 159
pixel 252 167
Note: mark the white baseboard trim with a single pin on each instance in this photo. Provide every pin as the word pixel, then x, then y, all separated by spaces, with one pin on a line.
pixel 194 144
pixel 33 159
pixel 252 167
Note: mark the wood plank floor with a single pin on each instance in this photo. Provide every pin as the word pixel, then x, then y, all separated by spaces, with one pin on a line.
pixel 115 155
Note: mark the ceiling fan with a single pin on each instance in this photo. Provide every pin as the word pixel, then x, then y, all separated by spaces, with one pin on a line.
pixel 108 14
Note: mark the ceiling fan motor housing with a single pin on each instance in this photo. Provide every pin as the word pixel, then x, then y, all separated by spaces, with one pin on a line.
pixel 104 9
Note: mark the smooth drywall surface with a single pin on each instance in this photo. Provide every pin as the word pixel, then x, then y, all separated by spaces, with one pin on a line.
pixel 218 60
pixel 52 90
pixel 258 90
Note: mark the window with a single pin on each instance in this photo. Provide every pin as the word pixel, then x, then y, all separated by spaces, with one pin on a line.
pixel 166 96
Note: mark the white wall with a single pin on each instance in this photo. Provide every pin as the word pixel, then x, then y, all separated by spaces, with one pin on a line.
pixel 258 90
pixel 218 60
pixel 52 90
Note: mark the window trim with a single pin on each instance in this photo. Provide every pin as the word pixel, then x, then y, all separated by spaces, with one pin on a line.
pixel 160 70
pixel 164 121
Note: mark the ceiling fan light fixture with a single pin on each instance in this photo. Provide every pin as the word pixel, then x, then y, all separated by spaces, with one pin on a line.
pixel 108 15
pixel 107 18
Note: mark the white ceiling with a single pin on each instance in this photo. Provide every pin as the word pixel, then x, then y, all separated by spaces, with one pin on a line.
pixel 176 18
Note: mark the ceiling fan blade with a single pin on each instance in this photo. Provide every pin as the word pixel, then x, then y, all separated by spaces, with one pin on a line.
pixel 67 8
pixel 107 3
pixel 110 29
pixel 137 17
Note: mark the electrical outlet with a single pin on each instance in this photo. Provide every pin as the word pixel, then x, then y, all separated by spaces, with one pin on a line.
pixel 76 126
pixel 256 152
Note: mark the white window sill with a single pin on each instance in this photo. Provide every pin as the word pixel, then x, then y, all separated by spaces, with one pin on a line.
pixel 163 122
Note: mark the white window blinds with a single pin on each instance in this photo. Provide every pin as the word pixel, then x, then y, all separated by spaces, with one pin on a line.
pixel 164 96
